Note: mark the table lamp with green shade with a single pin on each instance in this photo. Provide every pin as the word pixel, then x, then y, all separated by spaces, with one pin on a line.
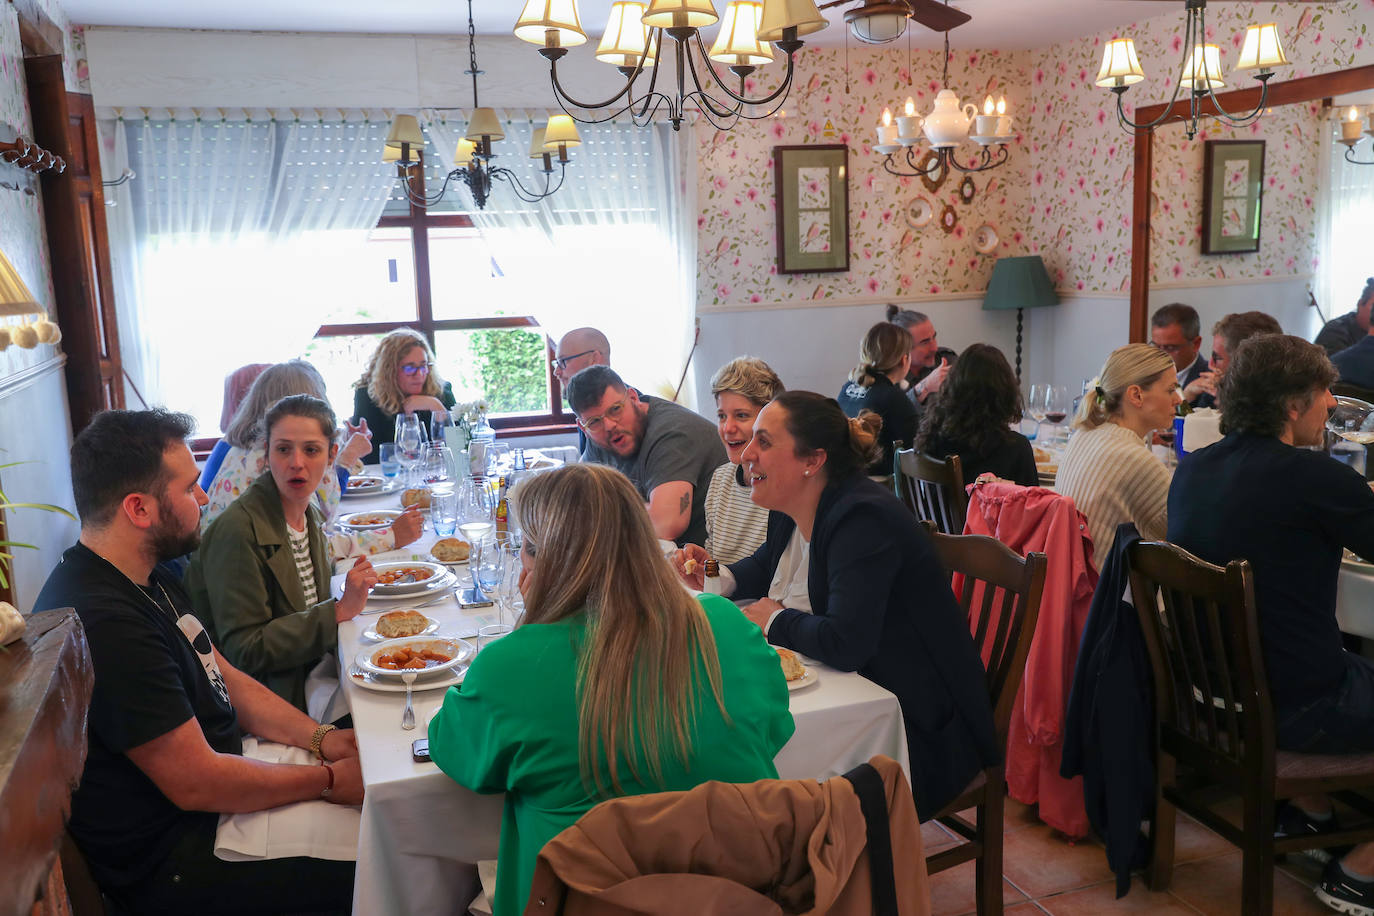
pixel 1019 283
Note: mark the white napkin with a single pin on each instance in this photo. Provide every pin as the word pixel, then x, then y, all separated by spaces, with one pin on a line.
pixel 316 829
pixel 1201 428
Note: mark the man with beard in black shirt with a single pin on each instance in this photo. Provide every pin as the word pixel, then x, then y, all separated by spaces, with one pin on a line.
pixel 168 713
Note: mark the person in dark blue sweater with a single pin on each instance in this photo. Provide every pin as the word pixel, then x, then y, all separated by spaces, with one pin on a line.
pixel 1261 495
pixel 876 384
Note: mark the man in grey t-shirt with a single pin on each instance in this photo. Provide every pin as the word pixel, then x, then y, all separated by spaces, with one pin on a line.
pixel 668 452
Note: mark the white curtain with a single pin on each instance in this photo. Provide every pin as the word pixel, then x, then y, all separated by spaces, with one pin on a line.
pixel 1345 224
pixel 614 248
pixel 231 239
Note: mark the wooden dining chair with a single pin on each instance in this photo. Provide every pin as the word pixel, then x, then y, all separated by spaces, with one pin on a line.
pixel 999 592
pixel 931 488
pixel 1214 721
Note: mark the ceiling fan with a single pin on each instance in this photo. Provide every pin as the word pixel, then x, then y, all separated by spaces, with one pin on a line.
pixel 879 21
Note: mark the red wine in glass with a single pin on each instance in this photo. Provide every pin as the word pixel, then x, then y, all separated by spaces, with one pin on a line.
pixel 1166 436
pixel 1056 416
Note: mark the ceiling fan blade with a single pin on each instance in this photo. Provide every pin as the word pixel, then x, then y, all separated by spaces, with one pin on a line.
pixel 939 17
pixel 826 6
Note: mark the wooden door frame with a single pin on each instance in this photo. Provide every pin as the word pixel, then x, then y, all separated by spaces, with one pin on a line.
pixel 1292 92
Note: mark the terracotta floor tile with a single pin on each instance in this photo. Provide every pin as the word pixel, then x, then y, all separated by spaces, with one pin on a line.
pixel 1101 898
pixel 935 837
pixel 1193 841
pixel 952 892
pixel 1040 862
pixel 1213 886
pixel 1018 815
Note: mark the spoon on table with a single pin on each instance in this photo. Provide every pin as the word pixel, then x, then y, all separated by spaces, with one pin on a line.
pixel 408 717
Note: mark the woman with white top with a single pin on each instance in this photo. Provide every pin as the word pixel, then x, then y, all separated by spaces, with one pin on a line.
pixel 735 525
pixel 1107 469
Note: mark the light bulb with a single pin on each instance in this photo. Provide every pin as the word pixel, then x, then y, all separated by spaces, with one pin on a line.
pixel 988 106
pixel 887 117
pixel 910 106
pixel 1002 105
pixel 1352 114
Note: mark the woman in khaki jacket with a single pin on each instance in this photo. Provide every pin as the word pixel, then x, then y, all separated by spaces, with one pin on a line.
pixel 262 570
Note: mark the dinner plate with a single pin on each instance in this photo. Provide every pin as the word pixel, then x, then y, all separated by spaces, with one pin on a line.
pixel 408 588
pixel 919 212
pixel 451 676
pixel 806 680
pixel 372 635
pixel 364 485
pixel 460 650
pixel 985 239
pixel 371 519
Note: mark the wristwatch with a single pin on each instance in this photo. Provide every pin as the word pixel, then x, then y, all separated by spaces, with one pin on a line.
pixel 317 739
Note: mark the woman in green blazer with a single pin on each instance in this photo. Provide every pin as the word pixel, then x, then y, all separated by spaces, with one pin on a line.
pixel 262 569
pixel 617 682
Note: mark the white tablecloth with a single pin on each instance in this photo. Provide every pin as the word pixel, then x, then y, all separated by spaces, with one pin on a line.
pixel 421 831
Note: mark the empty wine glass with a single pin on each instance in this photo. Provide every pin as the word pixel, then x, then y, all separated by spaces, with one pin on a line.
pixel 437 462
pixel 488 564
pixel 410 440
pixel 1035 407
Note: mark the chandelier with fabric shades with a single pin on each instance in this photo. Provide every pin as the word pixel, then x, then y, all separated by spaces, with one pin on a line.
pixel 1351 133
pixel 473 160
pixel 633 43
pixel 1200 72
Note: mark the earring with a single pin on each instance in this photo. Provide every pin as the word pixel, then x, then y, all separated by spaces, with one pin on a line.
pixel 806 473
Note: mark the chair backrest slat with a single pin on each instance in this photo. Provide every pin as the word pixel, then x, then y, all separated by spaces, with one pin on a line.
pixel 932 488
pixel 999 593
pixel 1211 695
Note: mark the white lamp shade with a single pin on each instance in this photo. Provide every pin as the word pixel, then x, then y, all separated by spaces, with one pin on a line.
pixel 537 150
pixel 1262 49
pixel 15 298
pixel 462 156
pixel 801 15
pixel 667 14
pixel 1202 69
pixel 550 24
pixel 1120 66
pixel 484 123
pixel 737 41
pixel 878 28
pixel 626 38
pixel 561 131
pixel 405 129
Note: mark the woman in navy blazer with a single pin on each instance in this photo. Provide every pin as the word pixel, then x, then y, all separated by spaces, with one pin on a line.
pixel 849 578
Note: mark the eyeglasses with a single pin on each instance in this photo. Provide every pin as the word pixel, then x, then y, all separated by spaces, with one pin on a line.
pixel 561 362
pixel 415 368
pixel 592 424
pixel 1171 349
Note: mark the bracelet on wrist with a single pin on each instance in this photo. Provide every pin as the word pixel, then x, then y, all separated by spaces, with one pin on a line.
pixel 317 740
pixel 329 789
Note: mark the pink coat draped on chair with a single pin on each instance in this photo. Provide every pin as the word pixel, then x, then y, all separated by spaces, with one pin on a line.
pixel 1027 519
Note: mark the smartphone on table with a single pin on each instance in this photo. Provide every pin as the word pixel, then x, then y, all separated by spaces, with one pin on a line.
pixel 419 750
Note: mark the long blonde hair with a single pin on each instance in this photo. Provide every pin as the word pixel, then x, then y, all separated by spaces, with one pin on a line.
pixel 595 552
pixel 1134 364
pixel 295 376
pixel 379 376
pixel 880 352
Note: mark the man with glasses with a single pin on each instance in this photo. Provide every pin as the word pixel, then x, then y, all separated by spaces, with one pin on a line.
pixel 578 349
pixel 1176 330
pixel 668 452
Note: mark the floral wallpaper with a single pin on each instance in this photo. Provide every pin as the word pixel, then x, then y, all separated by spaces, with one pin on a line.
pixel 1081 180
pixel 889 255
pixel 22 237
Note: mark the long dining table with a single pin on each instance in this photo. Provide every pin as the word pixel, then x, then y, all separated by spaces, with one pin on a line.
pixel 422 833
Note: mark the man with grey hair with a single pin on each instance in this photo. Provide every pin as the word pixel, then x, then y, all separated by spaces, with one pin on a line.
pixel 1176 329
pixel 930 362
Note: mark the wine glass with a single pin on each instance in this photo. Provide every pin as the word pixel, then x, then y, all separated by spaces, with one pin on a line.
pixel 1352 419
pixel 410 440
pixel 1056 406
pixel 1035 407
pixel 488 564
pixel 437 462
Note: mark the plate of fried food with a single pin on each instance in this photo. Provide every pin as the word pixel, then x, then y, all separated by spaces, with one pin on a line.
pixel 364 485
pixel 400 624
pixel 422 654
pixel 797 674
pixel 411 577
pixel 370 520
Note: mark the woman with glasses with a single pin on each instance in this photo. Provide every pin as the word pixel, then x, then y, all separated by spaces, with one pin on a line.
pixel 399 378
pixel 617 682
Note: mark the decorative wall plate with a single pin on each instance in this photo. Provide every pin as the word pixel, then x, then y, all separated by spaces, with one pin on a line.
pixel 919 212
pixel 985 239
pixel 933 171
pixel 948 218
pixel 967 189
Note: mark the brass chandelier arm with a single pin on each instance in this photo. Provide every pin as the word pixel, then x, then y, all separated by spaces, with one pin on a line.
pixel 741 98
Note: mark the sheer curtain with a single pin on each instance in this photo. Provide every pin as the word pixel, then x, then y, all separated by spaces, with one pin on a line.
pixel 232 239
pixel 1345 224
pixel 614 248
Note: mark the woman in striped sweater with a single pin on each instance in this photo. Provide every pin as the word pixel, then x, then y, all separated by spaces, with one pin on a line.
pixel 1107 470
pixel 735 527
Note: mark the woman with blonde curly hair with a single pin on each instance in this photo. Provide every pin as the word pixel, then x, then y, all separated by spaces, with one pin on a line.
pixel 640 687
pixel 1107 469
pixel 877 383
pixel 400 378
pixel 735 525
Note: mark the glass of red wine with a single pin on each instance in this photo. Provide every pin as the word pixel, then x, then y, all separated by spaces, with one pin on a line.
pixel 1056 406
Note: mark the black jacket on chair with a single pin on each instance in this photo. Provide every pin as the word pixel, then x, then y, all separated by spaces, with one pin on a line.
pixel 881 605
pixel 1109 729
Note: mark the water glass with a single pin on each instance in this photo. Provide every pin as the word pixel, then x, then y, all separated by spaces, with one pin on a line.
pixel 498 459
pixel 443 510
pixel 391 463
pixel 410 440
pixel 488 564
pixel 489 634
pixel 437 462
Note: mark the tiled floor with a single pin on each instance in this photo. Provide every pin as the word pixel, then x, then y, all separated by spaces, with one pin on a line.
pixel 1044 873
